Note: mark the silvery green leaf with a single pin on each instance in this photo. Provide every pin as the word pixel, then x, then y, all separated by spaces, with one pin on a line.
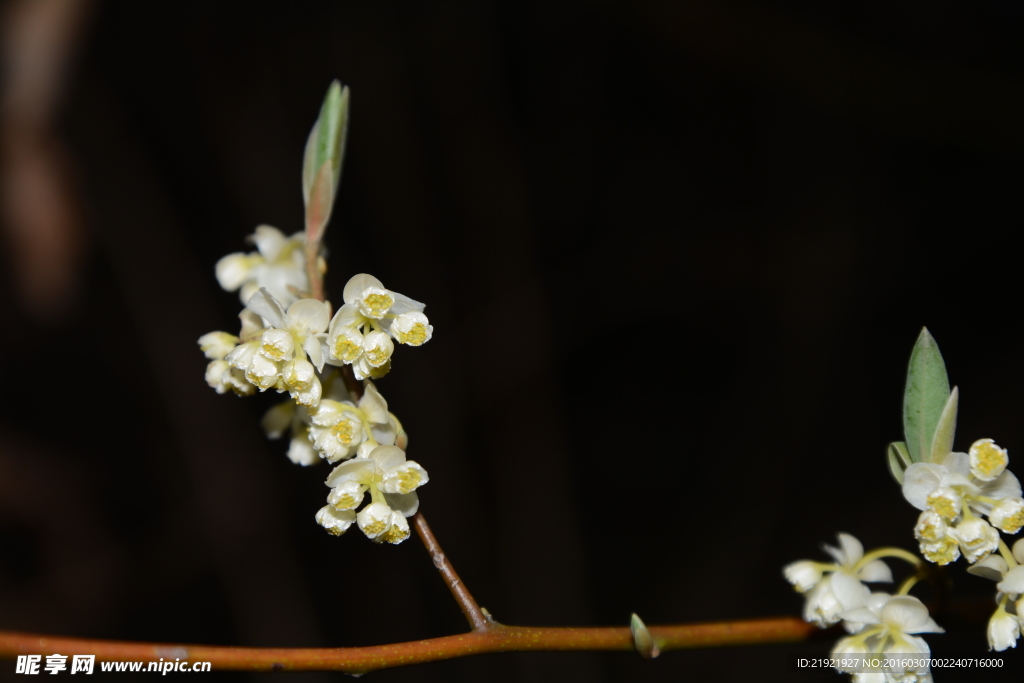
pixel 326 143
pixel 925 397
pixel 899 460
pixel 942 442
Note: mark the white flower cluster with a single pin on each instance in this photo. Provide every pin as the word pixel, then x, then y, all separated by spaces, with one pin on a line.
pixel 886 628
pixel 835 587
pixel 391 481
pixel 362 330
pixel 880 624
pixel 955 495
pixel 293 344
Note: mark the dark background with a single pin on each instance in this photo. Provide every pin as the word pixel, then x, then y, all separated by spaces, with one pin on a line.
pixel 676 255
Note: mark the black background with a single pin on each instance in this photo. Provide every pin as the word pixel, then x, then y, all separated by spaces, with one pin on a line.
pixel 675 255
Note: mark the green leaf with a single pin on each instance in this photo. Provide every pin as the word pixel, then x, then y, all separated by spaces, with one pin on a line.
pixel 942 442
pixel 899 460
pixel 925 397
pixel 326 143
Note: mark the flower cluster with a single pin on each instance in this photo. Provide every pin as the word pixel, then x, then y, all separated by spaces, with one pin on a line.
pixel 880 624
pixel 886 628
pixel 391 481
pixel 835 587
pixel 362 330
pixel 955 495
pixel 294 345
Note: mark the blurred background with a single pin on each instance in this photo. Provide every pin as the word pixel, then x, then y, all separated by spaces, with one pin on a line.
pixel 676 255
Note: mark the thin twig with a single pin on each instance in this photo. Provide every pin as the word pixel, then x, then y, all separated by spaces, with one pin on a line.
pixel 316 278
pixel 474 615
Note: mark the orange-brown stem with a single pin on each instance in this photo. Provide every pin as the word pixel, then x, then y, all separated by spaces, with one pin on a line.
pixel 494 638
pixel 474 615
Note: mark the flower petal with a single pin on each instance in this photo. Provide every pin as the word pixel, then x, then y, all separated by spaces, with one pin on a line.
pixel 875 571
pixel 804 574
pixel 351 470
pixel 347 316
pixel 958 463
pixel 357 284
pixel 374 519
pixel 1006 485
pixel 859 615
pixel 405 478
pixel 233 270
pixel 1003 630
pixel 909 614
pixel 373 404
pixel 269 241
pixel 387 457
pixel 308 315
pixel 852 549
pixel 404 304
pixel 264 303
pixel 920 480
pixel 992 567
pixel 848 590
pixel 336 522
pixel 315 350
pixel 300 449
pixel 1018 551
pixel 405 503
pixel 1013 581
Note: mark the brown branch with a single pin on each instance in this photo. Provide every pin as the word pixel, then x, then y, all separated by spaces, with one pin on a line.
pixel 494 638
pixel 474 615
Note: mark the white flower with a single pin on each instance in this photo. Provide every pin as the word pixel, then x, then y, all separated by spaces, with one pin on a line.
pixel 836 593
pixel 890 624
pixel 939 543
pixel 1003 630
pixel 839 586
pixel 279 265
pixel 335 521
pixel 339 426
pixel 946 502
pixel 1008 515
pixel 1013 581
pixel 804 575
pixel 391 481
pixel 374 519
pixel 411 328
pixel 987 460
pixel 224 378
pixel 977 538
pixel 852 649
pixel 992 567
pixel 279 359
pixel 216 345
pixel 361 331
